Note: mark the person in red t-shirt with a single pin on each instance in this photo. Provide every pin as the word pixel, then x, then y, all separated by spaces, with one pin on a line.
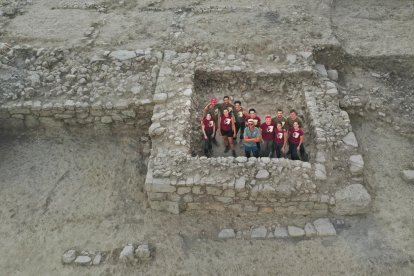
pixel 295 140
pixel 228 131
pixel 280 140
pixel 267 133
pixel 208 127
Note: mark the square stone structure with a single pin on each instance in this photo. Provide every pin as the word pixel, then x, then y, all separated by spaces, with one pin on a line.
pixel 178 179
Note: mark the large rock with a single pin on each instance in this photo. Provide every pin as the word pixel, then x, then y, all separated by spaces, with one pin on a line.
pixel 333 75
pixel 280 232
pixel 295 232
pixel 324 227
pixel 127 253
pixel 262 174
pixel 350 140
pixel 259 233
pixel 356 164
pixel 227 234
pixel 122 54
pixel 83 260
pixel 408 176
pixel 69 256
pixel 321 70
pixel 352 200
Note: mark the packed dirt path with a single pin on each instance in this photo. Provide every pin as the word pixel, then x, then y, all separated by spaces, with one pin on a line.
pixel 74 192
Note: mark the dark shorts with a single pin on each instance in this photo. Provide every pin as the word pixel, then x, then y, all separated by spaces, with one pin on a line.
pixel 227 133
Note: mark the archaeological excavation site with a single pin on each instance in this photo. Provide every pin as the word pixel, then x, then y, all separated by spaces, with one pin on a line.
pixel 103 163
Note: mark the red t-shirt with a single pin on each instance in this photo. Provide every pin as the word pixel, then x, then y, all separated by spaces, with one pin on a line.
pixel 208 126
pixel 280 136
pixel 294 136
pixel 256 120
pixel 268 131
pixel 225 123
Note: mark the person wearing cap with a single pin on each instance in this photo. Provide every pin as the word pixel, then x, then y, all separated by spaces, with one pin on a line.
pixel 250 139
pixel 257 121
pixel 267 133
pixel 208 127
pixel 212 109
pixel 226 104
pixel 279 119
pixel 228 130
pixel 280 140
pixel 295 141
pixel 240 115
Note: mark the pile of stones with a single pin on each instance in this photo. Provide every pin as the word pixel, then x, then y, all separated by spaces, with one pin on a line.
pixel 131 253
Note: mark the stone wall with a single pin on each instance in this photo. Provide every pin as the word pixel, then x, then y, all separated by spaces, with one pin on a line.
pixel 37 115
pixel 239 184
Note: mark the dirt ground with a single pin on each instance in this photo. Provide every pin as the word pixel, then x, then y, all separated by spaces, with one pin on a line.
pixel 86 193
pixel 76 191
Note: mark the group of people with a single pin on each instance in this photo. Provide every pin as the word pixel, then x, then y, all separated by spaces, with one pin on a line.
pixel 275 137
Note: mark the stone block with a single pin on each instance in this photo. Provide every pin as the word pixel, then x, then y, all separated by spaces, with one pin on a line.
pixel 240 184
pixel 332 75
pixel 223 199
pixel 320 68
pixel 157 196
pixel 227 234
pixel 183 190
pixel 213 191
pixel 83 260
pixel 310 230
pixel 127 253
pixel 259 233
pixel 69 256
pixel 351 200
pixel 295 232
pixel 356 164
pixel 350 140
pixel 143 252
pixel 324 227
pixel 262 174
pixel 408 176
pixel 161 185
pixel 229 193
pixel 280 233
pixel 169 206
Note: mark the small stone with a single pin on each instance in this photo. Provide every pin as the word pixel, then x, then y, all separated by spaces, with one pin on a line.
pixel 310 230
pixel 227 234
pixel 333 75
pixel 408 176
pixel 291 59
pixel 69 256
pixel 240 183
pixel 83 260
pixel 122 55
pixel 356 164
pixel 241 159
pixel 281 232
pixel 259 233
pixel 143 252
pixel 127 253
pixel 97 259
pixel 320 172
pixel 262 174
pixel 295 232
pixel 350 140
pixel 324 227
pixel 321 70
pixel 306 55
pixel 106 119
